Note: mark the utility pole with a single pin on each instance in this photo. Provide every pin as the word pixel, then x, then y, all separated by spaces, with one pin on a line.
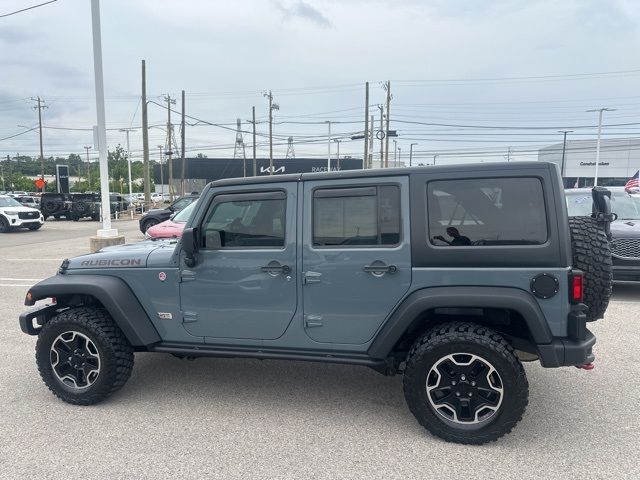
pixel 411 152
pixel 272 107
pixel 182 147
pixel 381 107
pixel 386 133
pixel 564 149
pixel 600 110
pixel 509 154
pixel 253 141
pixel 88 169
pixel 337 140
pixel 399 153
pixel 365 159
pixel 40 105
pixel 145 139
pixel 168 152
pixel 370 159
pixel 127 130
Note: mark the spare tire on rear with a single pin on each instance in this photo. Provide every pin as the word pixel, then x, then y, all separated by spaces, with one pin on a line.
pixel 592 254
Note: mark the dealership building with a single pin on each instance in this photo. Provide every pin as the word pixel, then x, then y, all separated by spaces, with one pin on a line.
pixel 200 171
pixel 619 161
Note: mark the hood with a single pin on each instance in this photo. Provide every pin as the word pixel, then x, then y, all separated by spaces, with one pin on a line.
pixel 166 229
pixel 625 229
pixel 16 210
pixel 132 255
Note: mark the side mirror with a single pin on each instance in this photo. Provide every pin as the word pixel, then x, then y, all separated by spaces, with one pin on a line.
pixel 190 245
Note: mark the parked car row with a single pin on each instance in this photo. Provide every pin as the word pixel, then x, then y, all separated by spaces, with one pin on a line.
pixel 625 230
pixel 76 206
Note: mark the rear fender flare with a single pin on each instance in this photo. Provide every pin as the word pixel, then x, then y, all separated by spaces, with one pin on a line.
pixel 112 292
pixel 461 297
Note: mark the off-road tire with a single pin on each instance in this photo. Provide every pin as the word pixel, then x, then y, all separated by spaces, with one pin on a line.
pixel 4 225
pixel 469 338
pixel 116 354
pixel 149 223
pixel 592 255
pixel 34 226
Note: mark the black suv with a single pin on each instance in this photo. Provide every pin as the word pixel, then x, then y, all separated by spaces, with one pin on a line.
pixel 158 215
pixel 625 230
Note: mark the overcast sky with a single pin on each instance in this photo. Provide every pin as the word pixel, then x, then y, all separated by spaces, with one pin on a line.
pixel 316 56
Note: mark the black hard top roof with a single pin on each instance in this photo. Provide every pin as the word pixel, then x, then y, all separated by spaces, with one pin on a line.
pixel 384 172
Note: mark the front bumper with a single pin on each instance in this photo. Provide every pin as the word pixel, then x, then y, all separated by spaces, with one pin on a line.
pixel 626 269
pixel 14 221
pixel 41 314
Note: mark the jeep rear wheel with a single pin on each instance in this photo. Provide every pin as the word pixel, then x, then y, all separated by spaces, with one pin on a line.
pixel 592 255
pixel 464 383
pixel 83 356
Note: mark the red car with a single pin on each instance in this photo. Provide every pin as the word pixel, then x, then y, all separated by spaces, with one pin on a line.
pixel 173 227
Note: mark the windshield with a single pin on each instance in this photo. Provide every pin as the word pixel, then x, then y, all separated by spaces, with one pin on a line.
pixel 183 215
pixel 9 202
pixel 626 206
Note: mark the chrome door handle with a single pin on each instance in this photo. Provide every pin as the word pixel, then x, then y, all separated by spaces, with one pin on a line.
pixel 380 268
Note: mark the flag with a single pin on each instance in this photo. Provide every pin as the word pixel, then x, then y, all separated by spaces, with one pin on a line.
pixel 632 185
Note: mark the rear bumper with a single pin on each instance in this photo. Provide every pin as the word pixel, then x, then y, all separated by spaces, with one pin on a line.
pixel 573 350
pixel 565 352
pixel 626 271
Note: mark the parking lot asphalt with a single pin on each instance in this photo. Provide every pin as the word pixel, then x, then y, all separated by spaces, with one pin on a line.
pixel 219 418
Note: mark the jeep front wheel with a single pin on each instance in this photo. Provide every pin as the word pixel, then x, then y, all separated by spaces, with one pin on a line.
pixel 83 356
pixel 464 383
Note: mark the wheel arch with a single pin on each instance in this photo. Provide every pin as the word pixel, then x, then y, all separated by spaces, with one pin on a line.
pixel 111 292
pixel 419 311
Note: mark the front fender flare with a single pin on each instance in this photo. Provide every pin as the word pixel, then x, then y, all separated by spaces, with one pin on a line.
pixel 462 297
pixel 114 294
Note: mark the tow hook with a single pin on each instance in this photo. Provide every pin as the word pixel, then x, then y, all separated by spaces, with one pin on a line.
pixel 587 366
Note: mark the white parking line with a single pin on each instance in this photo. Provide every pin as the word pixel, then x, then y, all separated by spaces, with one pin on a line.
pixel 7 279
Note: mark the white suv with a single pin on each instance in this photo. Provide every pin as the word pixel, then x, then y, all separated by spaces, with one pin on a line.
pixel 15 215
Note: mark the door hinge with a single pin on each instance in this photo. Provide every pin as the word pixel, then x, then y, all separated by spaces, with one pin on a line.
pixel 187 276
pixel 189 317
pixel 312 277
pixel 312 321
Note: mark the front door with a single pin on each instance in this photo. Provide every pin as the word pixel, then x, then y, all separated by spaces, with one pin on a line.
pixel 244 282
pixel 356 256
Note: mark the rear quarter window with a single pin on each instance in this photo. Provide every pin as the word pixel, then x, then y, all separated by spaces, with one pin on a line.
pixel 485 212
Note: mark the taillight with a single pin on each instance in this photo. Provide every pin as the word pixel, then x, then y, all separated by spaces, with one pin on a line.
pixel 576 293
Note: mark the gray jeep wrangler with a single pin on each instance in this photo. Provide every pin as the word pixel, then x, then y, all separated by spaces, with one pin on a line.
pixel 449 275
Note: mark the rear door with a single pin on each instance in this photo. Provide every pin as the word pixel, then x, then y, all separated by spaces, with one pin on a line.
pixel 356 256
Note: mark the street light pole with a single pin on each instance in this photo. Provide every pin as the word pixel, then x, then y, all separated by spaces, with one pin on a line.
pixel 411 152
pixel 329 147
pixel 161 174
pixel 399 154
pixel 127 130
pixel 599 110
pixel 106 230
pixel 337 140
pixel 88 169
pixel 395 152
pixel 434 158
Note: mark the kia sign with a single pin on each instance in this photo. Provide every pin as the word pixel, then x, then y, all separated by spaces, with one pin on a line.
pixel 210 169
pixel 62 178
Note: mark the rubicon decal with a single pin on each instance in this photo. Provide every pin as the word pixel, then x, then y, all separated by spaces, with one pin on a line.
pixel 114 262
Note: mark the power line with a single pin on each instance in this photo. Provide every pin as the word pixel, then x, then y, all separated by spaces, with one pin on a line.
pixel 28 8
